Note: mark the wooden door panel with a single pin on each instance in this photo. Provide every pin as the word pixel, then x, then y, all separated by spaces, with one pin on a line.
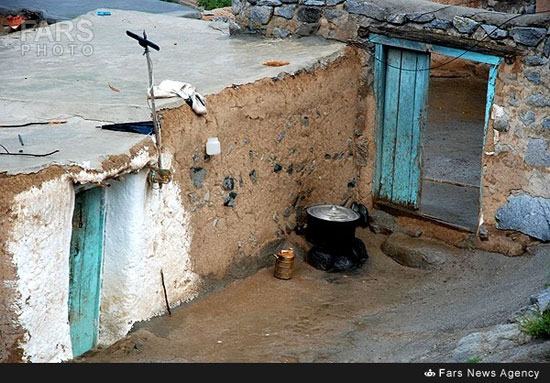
pixel 85 269
pixel 420 117
pixel 401 193
pixel 391 106
pixel 406 80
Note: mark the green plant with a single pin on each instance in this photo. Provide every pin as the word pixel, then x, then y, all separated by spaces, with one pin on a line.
pixel 477 359
pixel 538 326
pixel 212 4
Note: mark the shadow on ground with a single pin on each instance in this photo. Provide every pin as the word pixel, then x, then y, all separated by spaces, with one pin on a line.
pixel 383 312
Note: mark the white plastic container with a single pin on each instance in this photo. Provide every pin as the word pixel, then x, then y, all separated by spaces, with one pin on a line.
pixel 213 146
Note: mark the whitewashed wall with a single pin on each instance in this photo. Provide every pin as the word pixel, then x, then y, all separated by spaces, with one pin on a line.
pixel 146 230
pixel 41 258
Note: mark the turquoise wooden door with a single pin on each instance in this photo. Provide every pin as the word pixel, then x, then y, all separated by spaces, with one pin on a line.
pixel 85 269
pixel 402 79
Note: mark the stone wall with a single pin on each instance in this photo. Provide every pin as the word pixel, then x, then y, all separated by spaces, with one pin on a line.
pixel 351 20
pixel 516 161
pixel 507 6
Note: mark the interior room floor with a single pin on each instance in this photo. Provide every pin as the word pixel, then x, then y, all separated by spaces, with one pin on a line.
pixel 453 144
pixel 456 204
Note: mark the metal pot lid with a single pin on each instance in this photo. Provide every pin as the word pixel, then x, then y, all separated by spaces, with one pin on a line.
pixel 333 213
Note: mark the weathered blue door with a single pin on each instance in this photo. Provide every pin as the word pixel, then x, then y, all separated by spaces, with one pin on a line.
pixel 85 269
pixel 402 79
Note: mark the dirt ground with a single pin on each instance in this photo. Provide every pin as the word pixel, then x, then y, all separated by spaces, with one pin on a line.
pixel 383 312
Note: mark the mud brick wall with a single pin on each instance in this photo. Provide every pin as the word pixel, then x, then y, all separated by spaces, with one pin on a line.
pixel 286 143
pixel 516 160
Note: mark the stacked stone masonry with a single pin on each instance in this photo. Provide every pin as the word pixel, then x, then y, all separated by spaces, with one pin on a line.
pixel 508 6
pixel 516 160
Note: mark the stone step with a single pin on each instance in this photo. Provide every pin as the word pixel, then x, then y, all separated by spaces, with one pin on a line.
pixel 420 253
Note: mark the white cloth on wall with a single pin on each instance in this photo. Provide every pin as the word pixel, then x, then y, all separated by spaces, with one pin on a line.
pixel 170 88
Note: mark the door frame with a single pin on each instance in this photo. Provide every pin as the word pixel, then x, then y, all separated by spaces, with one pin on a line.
pixel 381 42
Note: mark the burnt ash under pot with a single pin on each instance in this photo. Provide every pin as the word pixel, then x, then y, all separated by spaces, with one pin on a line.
pixel 331 230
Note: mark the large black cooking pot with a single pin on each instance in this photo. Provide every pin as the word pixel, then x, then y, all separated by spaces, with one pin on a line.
pixel 331 226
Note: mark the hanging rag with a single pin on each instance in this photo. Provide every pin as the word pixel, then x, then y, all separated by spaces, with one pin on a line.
pixel 170 88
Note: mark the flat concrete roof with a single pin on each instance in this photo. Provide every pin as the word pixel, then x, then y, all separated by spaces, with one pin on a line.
pixel 80 143
pixel 44 79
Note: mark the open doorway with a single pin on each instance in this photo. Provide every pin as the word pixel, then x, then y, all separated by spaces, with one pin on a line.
pixel 433 104
pixel 453 141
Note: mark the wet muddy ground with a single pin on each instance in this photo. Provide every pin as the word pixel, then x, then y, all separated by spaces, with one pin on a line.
pixel 383 312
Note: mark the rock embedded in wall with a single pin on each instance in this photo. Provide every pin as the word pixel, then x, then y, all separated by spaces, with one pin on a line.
pixel 529 36
pixel 438 24
pixel 308 29
pixel 465 25
pixel 535 60
pixel 398 18
pixel 280 33
pixel 198 175
pixel 286 11
pixel 253 176
pixel 502 124
pixel 230 199
pixel 309 14
pixel 513 100
pixel 366 9
pixel 538 100
pixel 316 3
pixel 362 151
pixel 527 214
pixel 333 15
pixel 533 76
pixel 261 14
pixel 237 6
pixel 538 153
pixel 421 17
pixel 527 117
pixel 228 183
pixel 494 32
pixel 271 3
pixel 512 6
